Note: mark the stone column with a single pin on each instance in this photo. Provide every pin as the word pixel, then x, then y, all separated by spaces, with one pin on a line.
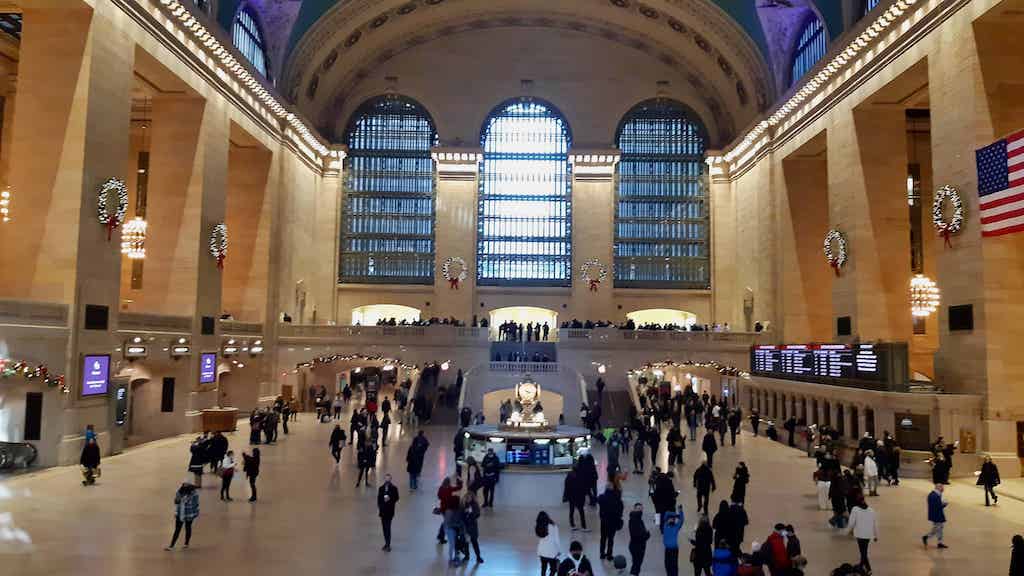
pixel 456 229
pixel 727 295
pixel 322 298
pixel 867 162
pixel 248 216
pixel 593 231
pixel 862 420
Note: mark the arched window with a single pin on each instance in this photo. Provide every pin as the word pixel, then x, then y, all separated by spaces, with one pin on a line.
pixel 869 5
pixel 524 216
pixel 661 214
pixel 388 212
pixel 810 47
pixel 248 38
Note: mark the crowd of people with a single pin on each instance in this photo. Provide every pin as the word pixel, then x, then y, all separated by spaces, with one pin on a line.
pixel 433 321
pixel 510 331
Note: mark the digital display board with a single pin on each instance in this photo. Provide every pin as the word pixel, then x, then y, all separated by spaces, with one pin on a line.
pixel 95 375
pixel 207 368
pixel 871 364
pixel 517 453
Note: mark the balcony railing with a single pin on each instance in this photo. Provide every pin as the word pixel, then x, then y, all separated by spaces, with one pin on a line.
pixel 434 335
pixel 28 313
pixel 524 367
pixel 611 337
pixel 138 322
pixel 236 328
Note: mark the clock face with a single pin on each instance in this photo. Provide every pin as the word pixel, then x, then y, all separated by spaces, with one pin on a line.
pixel 528 391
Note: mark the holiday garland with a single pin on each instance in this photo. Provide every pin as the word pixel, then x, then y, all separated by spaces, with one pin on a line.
pixel 945 229
pixel 14 368
pixel 835 260
pixel 108 218
pixel 219 243
pixel 592 281
pixel 455 271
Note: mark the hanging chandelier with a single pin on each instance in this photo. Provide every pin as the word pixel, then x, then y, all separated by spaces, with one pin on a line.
pixel 5 205
pixel 133 239
pixel 924 296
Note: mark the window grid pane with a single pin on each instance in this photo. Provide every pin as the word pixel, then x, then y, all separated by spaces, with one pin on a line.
pixel 661 215
pixel 249 41
pixel 388 213
pixel 524 219
pixel 811 48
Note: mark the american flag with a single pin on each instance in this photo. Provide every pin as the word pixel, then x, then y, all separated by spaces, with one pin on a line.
pixel 1001 186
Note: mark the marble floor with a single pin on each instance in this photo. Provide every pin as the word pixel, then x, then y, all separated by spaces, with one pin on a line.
pixel 310 518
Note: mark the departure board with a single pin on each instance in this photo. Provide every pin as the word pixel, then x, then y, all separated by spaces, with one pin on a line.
pixel 829 363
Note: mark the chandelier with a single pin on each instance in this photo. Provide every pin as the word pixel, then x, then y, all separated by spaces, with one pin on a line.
pixel 133 238
pixel 924 296
pixel 5 205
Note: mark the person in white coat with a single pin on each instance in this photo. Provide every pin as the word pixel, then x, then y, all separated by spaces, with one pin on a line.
pixel 864 526
pixel 871 473
pixel 549 545
pixel 227 472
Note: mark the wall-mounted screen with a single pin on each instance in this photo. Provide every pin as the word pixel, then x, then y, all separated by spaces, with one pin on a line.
pixel 95 375
pixel 207 368
pixel 876 366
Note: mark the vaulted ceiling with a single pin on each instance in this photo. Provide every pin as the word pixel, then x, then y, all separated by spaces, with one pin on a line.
pixel 723 58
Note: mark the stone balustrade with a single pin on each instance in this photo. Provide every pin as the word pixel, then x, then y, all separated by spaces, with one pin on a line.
pixel 524 367
pixel 28 313
pixel 236 328
pixel 140 322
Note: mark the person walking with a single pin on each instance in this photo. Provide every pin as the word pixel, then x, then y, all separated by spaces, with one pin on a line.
pixel 638 452
pixel 724 561
pixel 575 493
pixel 704 482
pixel 701 555
pixel 1017 555
pixel 864 527
pixel 936 515
pixel 778 559
pixel 638 537
pixel 227 473
pixel 611 509
pixel 90 461
pixel 492 474
pixel 470 515
pixel 364 459
pixel 871 473
pixel 672 525
pixel 336 442
pixel 710 446
pixel 549 546
pixel 385 423
pixel 186 510
pixel 988 478
pixel 576 564
pixel 197 460
pixel 414 459
pixel 251 468
pixel 454 528
pixel 447 496
pixel 387 497
pixel 740 479
pixel 676 444
pixel 755 420
pixel 722 523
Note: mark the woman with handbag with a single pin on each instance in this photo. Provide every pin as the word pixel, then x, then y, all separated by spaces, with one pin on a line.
pixel 549 545
pixel 989 479
pixel 227 473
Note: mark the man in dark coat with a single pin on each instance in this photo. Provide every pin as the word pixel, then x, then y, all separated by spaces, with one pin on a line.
pixel 336 442
pixel 387 497
pixel 90 461
pixel 638 537
pixel 704 482
pixel 710 447
pixel 492 474
pixel 414 459
pixel 665 494
pixel 734 424
pixel 611 510
pixel 588 472
pixel 575 493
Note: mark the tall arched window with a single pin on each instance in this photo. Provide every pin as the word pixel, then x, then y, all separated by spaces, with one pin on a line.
pixel 810 47
pixel 248 38
pixel 524 224
pixel 661 214
pixel 388 213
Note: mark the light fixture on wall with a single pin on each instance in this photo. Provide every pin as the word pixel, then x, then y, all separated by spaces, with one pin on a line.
pixel 924 296
pixel 5 205
pixel 133 238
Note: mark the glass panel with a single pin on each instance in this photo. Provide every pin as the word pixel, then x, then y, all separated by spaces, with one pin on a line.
pixel 661 214
pixel 247 37
pixel 810 48
pixel 869 5
pixel 388 213
pixel 524 222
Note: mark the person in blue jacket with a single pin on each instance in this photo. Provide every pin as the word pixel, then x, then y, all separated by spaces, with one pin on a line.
pixel 723 563
pixel 936 515
pixel 673 524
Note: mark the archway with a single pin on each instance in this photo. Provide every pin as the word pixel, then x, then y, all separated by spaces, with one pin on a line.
pixel 662 316
pixel 370 314
pixel 524 315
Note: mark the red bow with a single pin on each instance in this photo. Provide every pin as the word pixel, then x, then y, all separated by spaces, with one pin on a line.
pixel 593 285
pixel 453 284
pixel 945 237
pixel 220 262
pixel 111 224
pixel 834 263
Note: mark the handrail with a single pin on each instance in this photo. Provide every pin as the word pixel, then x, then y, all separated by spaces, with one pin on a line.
pixel 136 321
pixel 524 367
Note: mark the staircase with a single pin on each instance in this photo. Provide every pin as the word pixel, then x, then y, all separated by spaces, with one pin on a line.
pixel 615 406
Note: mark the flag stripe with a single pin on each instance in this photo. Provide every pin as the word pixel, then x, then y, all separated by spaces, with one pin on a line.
pixel 990 218
pixel 1007 196
pixel 1002 231
pixel 1008 223
pixel 1001 209
pixel 1015 137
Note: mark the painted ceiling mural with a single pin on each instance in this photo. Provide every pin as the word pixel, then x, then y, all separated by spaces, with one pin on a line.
pixel 732 54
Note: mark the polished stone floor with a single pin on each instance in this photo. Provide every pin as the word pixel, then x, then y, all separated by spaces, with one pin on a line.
pixel 312 520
